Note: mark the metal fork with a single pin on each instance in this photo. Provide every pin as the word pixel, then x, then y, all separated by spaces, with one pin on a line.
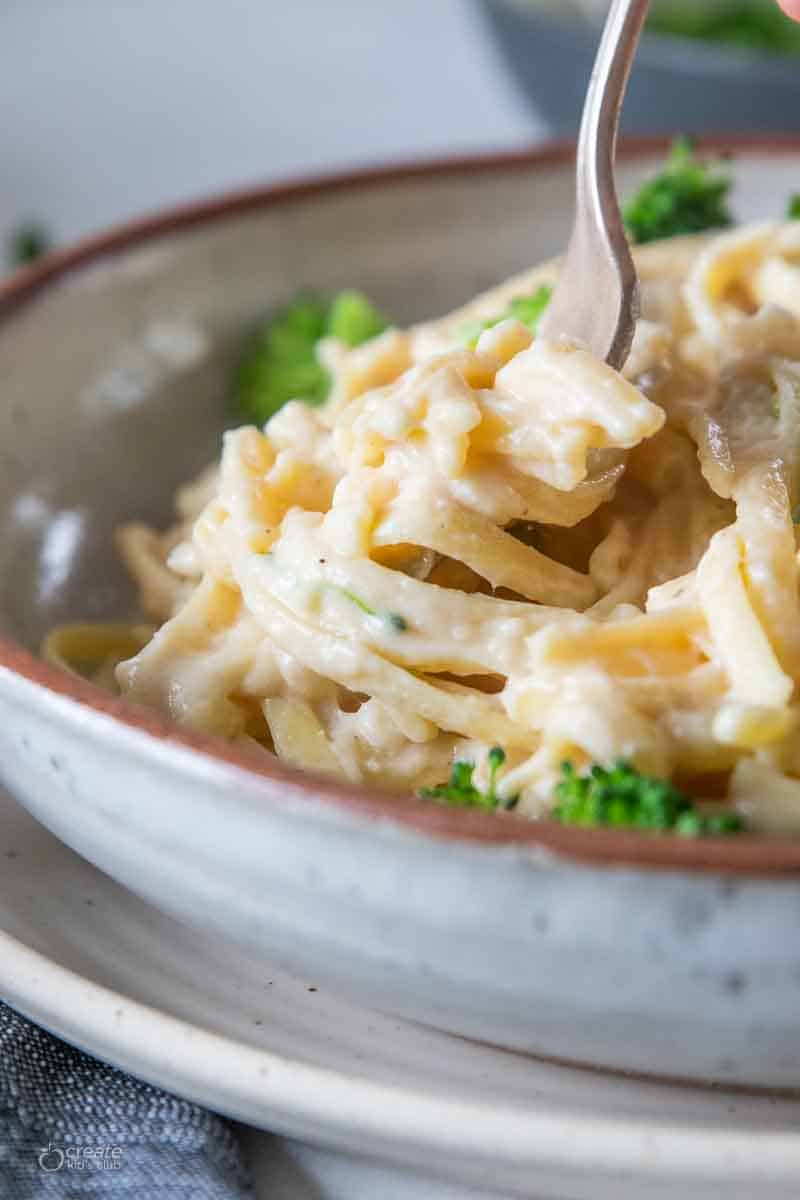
pixel 596 299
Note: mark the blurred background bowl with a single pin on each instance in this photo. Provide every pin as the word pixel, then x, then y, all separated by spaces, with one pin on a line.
pixel 678 84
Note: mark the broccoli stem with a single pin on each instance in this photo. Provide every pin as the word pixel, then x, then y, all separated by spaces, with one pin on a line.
pixel 461 792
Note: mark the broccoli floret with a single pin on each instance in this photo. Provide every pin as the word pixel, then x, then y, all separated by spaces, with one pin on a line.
pixel 793 207
pixel 622 798
pixel 460 791
pixel 352 319
pixel 527 309
pixel 28 242
pixel 282 363
pixel 687 196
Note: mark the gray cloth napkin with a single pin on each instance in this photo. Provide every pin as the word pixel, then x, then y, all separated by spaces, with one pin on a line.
pixel 72 1127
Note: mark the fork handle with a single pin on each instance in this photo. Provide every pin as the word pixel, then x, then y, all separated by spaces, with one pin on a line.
pixel 596 299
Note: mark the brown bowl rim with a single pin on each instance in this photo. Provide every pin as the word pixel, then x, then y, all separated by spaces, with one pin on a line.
pixel 744 855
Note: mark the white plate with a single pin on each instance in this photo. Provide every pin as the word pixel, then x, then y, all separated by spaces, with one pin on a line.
pixel 85 958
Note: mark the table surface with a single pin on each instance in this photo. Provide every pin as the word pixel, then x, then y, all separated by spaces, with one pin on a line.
pixel 112 108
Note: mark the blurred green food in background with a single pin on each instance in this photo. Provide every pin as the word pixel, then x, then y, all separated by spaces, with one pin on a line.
pixel 687 196
pixel 28 242
pixel 751 24
pixel 527 309
pixel 282 363
pixel 793 207
pixel 352 319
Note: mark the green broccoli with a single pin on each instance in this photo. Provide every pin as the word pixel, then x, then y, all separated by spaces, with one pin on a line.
pixel 282 363
pixel 460 791
pixel 622 798
pixel 793 207
pixel 687 196
pixel 352 319
pixel 750 24
pixel 28 242
pixel 527 309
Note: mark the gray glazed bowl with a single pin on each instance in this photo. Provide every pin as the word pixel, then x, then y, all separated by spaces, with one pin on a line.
pixel 676 86
pixel 649 954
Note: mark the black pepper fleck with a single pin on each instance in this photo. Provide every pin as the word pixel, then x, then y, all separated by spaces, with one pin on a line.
pixel 734 982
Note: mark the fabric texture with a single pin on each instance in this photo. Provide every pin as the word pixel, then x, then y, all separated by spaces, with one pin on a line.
pixel 73 1127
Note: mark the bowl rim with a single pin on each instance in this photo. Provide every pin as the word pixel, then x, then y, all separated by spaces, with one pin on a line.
pixel 759 855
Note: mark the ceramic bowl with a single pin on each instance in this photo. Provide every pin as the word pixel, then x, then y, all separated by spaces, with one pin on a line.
pixel 648 954
pixel 677 85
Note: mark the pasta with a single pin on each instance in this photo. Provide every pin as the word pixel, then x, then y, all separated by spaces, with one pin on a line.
pixel 512 544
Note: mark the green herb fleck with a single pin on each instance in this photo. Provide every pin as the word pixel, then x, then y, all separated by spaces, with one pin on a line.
pixel 282 362
pixel 527 309
pixel 398 622
pixel 622 798
pixel 793 207
pixel 28 242
pixel 687 196
pixel 393 620
pixel 460 791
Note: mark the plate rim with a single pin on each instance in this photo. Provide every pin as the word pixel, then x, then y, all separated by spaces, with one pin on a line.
pixel 398 1117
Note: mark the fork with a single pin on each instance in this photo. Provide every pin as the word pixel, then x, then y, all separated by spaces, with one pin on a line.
pixel 596 299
